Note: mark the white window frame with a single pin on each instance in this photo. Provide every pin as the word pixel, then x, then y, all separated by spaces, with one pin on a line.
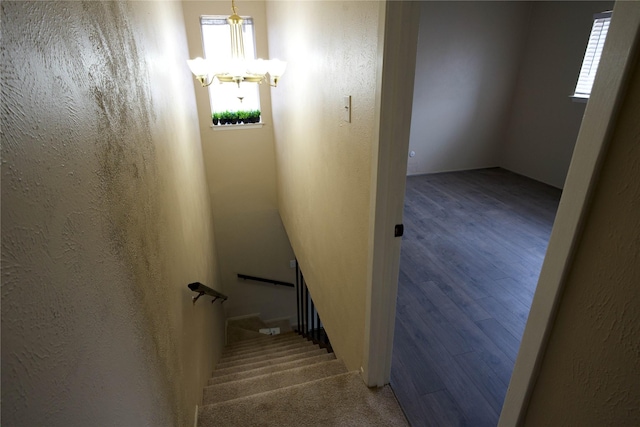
pixel 229 92
pixel 593 52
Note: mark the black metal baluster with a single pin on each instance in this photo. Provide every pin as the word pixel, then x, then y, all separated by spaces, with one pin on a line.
pixel 302 305
pixel 306 311
pixel 313 320
pixel 298 294
pixel 319 336
pixel 309 322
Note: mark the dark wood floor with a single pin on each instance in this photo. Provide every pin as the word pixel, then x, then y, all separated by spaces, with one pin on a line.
pixel 471 256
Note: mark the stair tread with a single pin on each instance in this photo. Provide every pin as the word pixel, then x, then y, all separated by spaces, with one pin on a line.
pixel 268 356
pixel 270 350
pixel 261 338
pixel 342 399
pixel 258 340
pixel 271 381
pixel 269 362
pixel 272 368
pixel 264 346
pixel 251 323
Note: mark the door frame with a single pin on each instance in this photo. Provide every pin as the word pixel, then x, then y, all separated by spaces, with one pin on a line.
pixel 397 44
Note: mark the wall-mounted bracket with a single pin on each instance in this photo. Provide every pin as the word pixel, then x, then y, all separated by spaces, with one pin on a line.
pixel 196 297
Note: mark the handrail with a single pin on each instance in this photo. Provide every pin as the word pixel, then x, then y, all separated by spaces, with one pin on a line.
pixel 202 289
pixel 260 279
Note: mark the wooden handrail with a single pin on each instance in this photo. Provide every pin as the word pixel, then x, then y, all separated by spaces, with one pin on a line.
pixel 260 279
pixel 202 290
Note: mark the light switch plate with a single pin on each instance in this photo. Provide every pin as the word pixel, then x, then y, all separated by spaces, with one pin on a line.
pixel 347 108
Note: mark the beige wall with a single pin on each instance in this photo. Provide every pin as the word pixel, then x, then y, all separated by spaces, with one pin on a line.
pixel 105 218
pixel 466 68
pixel 544 123
pixel 241 172
pixel 324 163
pixel 590 374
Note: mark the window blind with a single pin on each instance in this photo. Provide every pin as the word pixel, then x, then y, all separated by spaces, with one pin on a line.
pixel 592 55
pixel 222 20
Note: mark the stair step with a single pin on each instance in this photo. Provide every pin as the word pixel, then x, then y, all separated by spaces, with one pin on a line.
pixel 337 400
pixel 262 339
pixel 240 388
pixel 237 335
pixel 253 323
pixel 263 345
pixel 270 369
pixel 283 324
pixel 286 345
pixel 261 357
pixel 269 362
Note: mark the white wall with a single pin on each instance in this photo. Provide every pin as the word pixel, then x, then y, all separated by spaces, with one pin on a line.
pixel 105 218
pixel 467 62
pixel 590 371
pixel 492 86
pixel 241 172
pixel 324 163
pixel 544 122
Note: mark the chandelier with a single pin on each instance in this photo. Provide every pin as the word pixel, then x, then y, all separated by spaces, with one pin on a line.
pixel 237 69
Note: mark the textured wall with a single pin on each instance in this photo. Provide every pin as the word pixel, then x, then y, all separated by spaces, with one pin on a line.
pixel 105 218
pixel 466 68
pixel 324 163
pixel 241 172
pixel 590 374
pixel 544 122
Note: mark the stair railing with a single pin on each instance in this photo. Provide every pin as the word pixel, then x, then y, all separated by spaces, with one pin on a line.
pixel 309 323
pixel 262 279
pixel 201 289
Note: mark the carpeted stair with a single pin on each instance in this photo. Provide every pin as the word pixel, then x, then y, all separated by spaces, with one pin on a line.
pixel 285 380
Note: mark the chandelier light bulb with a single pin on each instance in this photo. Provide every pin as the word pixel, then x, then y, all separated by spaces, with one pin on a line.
pixel 198 66
pixel 277 68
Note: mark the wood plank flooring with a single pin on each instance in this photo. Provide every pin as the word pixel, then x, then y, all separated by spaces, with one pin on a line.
pixel 471 255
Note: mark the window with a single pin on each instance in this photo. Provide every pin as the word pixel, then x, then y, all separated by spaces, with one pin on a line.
pixel 216 41
pixel 592 55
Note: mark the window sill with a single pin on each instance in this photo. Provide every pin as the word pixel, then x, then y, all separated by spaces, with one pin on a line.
pixel 237 127
pixel 582 99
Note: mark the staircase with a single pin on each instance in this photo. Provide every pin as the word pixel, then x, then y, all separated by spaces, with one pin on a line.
pixel 285 380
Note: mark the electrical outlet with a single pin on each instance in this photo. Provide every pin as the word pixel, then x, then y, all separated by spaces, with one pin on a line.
pixel 292 263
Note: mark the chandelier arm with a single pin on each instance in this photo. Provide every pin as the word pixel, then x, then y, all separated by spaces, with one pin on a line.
pixel 203 79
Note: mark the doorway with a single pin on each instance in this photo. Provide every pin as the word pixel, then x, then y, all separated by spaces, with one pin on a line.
pixel 585 164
